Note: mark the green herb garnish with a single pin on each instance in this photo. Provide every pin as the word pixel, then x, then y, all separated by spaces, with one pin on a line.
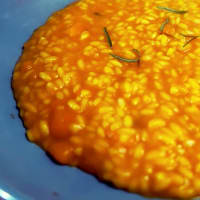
pixel 190 40
pixel 169 35
pixel 186 35
pixel 163 25
pixel 172 10
pixel 192 37
pixel 107 36
pixel 126 59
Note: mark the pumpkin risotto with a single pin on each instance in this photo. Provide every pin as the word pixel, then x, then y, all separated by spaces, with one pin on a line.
pixel 113 87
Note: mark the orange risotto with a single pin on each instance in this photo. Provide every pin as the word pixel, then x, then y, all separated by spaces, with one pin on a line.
pixel 113 87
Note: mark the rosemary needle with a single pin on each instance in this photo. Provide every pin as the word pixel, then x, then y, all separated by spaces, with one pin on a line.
pixel 192 37
pixel 163 25
pixel 190 40
pixel 107 36
pixel 185 35
pixel 124 59
pixel 172 10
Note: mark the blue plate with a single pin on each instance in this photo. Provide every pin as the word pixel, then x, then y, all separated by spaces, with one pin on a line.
pixel 25 171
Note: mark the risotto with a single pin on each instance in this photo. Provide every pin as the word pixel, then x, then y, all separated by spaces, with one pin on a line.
pixel 113 87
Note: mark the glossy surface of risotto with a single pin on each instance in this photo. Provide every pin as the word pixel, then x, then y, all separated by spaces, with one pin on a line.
pixel 113 87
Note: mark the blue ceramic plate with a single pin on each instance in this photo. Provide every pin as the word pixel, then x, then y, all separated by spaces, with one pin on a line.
pixel 25 171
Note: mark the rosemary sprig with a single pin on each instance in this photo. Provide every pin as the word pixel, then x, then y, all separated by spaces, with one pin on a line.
pixel 190 40
pixel 163 25
pixel 172 10
pixel 107 36
pixel 126 59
